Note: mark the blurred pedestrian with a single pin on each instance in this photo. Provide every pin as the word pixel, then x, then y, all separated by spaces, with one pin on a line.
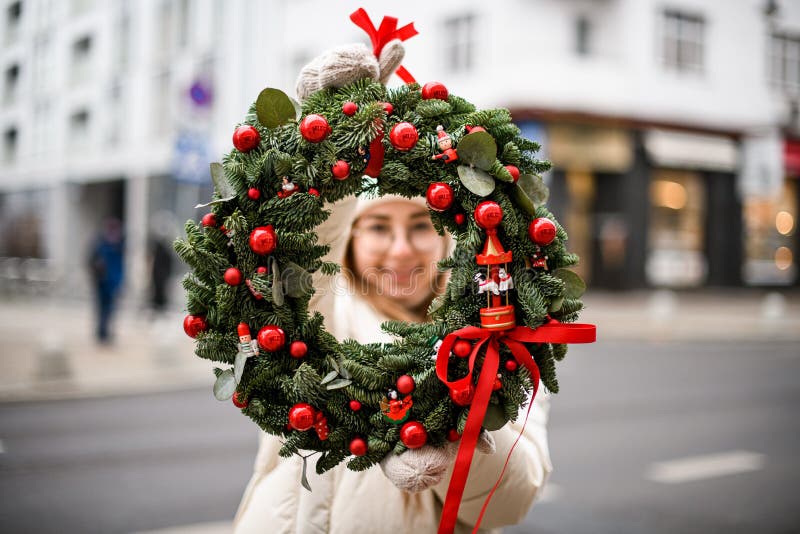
pixel 106 261
pixel 160 271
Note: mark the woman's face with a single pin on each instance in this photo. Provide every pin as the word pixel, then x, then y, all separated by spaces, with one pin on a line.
pixel 395 249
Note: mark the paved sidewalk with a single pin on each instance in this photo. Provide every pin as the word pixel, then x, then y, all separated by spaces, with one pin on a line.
pixel 47 350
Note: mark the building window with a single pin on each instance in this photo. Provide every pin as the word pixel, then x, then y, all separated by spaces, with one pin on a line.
pixel 11 82
pixel 784 62
pixel 682 44
pixel 583 29
pixel 10 145
pixel 770 230
pixel 81 59
pixel 79 127
pixel 13 19
pixel 459 46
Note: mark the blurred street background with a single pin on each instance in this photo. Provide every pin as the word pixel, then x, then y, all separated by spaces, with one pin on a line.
pixel 673 128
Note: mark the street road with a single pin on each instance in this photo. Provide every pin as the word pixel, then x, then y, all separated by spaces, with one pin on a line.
pixel 662 438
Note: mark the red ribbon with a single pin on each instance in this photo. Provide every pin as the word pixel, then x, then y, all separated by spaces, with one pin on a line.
pixel 387 31
pixel 514 339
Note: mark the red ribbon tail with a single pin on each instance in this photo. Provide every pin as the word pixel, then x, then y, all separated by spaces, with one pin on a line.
pixel 405 75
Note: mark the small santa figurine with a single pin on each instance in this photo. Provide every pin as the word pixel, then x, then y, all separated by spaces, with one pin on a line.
pixel 445 145
pixel 247 344
pixel 288 188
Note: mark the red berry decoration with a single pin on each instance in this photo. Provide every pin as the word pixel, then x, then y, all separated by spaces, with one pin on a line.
pixel 405 384
pixel 358 447
pixel 403 136
pixel 498 384
pixel 209 220
pixel 261 270
pixel 413 435
pixel 513 171
pixel 434 90
pixel 542 231
pixel 388 108
pixel 246 138
pixel 253 193
pixel 239 402
pixel 302 416
pixel 355 405
pixel 313 191
pixel 271 338
pixel 462 396
pixel 263 240
pixel 341 169
pixel 462 348
pixel 488 214
pixel 440 196
pixel 453 435
pixel 298 349
pixel 314 128
pixel 511 365
pixel 349 108
pixel 460 218
pixel 194 324
pixel 233 276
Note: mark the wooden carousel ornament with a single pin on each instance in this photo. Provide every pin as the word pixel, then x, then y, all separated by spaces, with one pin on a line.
pixel 497 315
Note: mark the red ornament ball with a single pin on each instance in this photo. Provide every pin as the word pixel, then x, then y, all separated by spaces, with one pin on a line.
pixel 462 396
pixel 246 138
pixel 542 231
pixel 271 338
pixel 413 435
pixel 253 193
pixel 498 384
pixel 488 214
pixel 405 384
pixel 355 405
pixel 261 270
pixel 462 348
pixel 358 447
pixel 349 108
pixel 194 324
pixel 314 128
pixel 513 171
pixel 388 108
pixel 434 90
pixel 301 416
pixel 460 218
pixel 453 435
pixel 440 196
pixel 341 169
pixel 233 276
pixel 209 220
pixel 298 349
pixel 511 365
pixel 239 402
pixel 313 191
pixel 403 136
pixel 263 240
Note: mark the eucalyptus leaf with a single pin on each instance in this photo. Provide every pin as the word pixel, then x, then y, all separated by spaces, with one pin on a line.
pixel 556 304
pixel 534 187
pixel 495 417
pixel 345 373
pixel 574 286
pixel 238 365
pixel 224 189
pixel 330 376
pixel 339 383
pixel 225 385
pixel 217 201
pixel 277 286
pixel 274 107
pixel 478 181
pixel 333 363
pixel 478 149
pixel 298 109
pixel 523 200
pixel 303 477
pixel 296 280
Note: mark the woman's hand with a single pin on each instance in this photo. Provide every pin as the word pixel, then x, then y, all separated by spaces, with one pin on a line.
pixel 419 469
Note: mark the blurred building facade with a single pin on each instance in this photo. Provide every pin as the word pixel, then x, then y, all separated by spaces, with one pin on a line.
pixel 673 126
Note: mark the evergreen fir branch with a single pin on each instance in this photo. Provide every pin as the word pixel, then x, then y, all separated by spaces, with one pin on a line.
pixel 511 154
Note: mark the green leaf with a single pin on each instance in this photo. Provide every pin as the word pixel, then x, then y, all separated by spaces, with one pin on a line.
pixel 478 181
pixel 274 107
pixel 238 365
pixel 277 287
pixel 534 187
pixel 225 385
pixel 303 477
pixel 296 280
pixel 495 417
pixel 339 383
pixel 330 376
pixel 221 184
pixel 345 373
pixel 333 363
pixel 574 286
pixel 522 200
pixel 478 149
pixel 556 304
pixel 298 109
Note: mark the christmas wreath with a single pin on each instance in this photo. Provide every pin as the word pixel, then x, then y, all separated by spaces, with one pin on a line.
pixel 499 327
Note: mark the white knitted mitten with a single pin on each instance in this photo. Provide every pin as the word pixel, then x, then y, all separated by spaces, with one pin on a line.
pixel 419 469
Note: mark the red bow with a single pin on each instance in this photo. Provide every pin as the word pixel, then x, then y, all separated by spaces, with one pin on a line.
pixel 514 339
pixel 387 31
